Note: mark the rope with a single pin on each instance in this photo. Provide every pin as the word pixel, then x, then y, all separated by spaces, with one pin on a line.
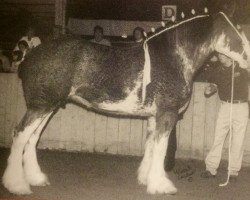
pixel 245 42
pixel 230 129
pixel 228 20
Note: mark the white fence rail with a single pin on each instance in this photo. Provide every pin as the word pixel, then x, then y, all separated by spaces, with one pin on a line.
pixel 76 129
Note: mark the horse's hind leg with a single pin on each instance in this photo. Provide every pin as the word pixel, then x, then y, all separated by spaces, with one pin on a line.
pixel 157 181
pixel 32 171
pixel 13 178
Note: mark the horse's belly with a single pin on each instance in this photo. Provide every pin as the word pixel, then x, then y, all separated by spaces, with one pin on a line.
pixel 128 107
pixel 131 104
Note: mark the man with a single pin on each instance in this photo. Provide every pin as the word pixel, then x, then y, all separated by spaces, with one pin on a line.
pixel 23 46
pixel 99 37
pixel 138 34
pixel 4 62
pixel 32 40
pixel 221 81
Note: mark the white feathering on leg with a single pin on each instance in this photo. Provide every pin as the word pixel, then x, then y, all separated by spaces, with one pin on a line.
pixel 157 181
pixel 146 162
pixel 32 170
pixel 147 158
pixel 13 178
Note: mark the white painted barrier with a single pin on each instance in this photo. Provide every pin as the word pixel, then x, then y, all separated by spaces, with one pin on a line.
pixel 76 129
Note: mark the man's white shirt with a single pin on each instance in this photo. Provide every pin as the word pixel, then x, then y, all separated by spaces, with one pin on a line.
pixel 34 42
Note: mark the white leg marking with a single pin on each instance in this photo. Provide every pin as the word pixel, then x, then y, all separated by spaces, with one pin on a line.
pixel 146 161
pixel 32 171
pixel 147 158
pixel 13 178
pixel 158 181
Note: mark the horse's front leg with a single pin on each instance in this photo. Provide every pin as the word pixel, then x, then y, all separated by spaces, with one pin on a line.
pixel 157 180
pixel 147 158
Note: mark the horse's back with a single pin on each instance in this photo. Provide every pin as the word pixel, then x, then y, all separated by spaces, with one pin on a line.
pixel 50 70
pixel 47 72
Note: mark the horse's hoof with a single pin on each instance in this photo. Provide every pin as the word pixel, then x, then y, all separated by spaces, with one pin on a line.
pixel 142 177
pixel 161 186
pixel 142 180
pixel 39 179
pixel 13 180
pixel 18 188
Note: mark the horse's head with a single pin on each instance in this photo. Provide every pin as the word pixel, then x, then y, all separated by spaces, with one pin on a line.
pixel 228 40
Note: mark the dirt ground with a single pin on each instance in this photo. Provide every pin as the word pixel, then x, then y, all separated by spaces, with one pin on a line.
pixel 84 176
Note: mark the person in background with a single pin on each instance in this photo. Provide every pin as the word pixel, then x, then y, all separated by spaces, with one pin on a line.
pixel 99 37
pixel 138 34
pixel 57 32
pixel 5 63
pixel 17 57
pixel 32 40
pixel 1 67
pixel 23 47
pixel 221 82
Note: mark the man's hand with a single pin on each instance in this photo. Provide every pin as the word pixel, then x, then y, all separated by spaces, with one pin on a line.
pixel 210 90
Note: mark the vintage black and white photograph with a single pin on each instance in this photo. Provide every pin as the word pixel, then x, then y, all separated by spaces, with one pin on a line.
pixel 124 99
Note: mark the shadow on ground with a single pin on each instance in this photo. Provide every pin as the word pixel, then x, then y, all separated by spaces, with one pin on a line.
pixel 84 176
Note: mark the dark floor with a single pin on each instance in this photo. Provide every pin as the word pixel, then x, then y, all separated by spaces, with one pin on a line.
pixel 82 176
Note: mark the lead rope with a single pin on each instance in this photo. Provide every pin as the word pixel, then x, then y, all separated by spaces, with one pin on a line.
pixel 230 129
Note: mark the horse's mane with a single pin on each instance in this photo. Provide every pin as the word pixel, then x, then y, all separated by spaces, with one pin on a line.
pixel 172 25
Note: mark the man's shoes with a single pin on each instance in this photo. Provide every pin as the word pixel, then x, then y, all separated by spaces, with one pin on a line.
pixel 207 174
pixel 233 178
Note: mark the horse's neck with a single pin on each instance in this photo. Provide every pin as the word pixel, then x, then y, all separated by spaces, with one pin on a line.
pixel 192 61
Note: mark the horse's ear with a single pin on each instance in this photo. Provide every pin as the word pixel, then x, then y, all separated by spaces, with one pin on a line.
pixel 226 6
pixel 229 8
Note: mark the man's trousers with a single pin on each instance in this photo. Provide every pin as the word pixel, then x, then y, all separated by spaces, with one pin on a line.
pixel 239 125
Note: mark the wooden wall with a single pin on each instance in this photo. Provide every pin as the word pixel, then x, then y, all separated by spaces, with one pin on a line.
pixel 72 128
pixel 76 129
pixel 110 27
pixel 45 8
pixel 17 15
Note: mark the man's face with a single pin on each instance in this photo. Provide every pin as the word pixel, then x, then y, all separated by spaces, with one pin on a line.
pixel 30 33
pixel 22 47
pixel 138 35
pixel 15 57
pixel 98 35
pixel 227 62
